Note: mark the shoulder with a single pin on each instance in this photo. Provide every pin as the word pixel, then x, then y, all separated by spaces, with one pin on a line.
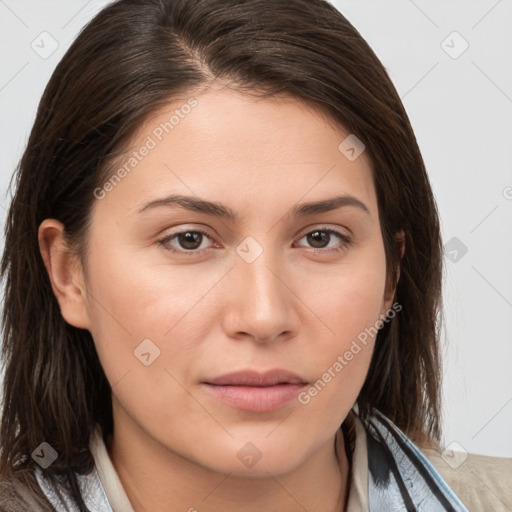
pixel 399 474
pixel 481 482
pixel 15 496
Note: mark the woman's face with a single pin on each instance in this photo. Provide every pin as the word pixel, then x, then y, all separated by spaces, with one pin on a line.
pixel 273 284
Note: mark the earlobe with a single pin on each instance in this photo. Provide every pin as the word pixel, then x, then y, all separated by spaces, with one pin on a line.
pixel 65 273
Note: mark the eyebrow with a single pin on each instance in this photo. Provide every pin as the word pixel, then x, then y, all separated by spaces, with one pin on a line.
pixel 216 209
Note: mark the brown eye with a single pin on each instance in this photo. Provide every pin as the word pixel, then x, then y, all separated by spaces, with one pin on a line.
pixel 186 242
pixel 320 239
pixel 189 239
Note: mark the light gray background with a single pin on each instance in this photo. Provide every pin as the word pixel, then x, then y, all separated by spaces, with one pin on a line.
pixel 460 105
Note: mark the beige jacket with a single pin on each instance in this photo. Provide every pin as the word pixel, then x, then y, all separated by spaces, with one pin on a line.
pixel 482 483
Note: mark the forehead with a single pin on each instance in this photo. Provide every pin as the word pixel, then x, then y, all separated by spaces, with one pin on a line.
pixel 222 142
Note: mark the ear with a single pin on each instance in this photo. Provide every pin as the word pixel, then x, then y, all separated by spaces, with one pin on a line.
pixel 65 273
pixel 400 240
pixel 390 290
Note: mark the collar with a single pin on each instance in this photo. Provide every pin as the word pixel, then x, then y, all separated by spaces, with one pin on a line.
pixel 108 476
pixel 387 472
pixel 351 435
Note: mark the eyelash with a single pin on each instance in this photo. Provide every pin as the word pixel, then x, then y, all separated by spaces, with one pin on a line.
pixel 345 241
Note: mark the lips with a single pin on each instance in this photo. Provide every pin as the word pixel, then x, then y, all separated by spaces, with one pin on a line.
pixel 254 378
pixel 252 391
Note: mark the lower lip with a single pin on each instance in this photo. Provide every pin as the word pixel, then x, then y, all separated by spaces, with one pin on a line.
pixel 256 399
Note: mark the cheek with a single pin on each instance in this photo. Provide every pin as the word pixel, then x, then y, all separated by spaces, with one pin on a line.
pixel 139 308
pixel 176 308
pixel 349 307
pixel 350 298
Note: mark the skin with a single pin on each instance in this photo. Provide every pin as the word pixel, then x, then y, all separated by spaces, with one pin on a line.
pixel 175 445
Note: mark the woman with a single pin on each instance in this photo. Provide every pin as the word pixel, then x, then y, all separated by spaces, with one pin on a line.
pixel 223 245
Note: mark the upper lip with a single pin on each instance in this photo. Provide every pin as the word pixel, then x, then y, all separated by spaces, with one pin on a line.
pixel 255 378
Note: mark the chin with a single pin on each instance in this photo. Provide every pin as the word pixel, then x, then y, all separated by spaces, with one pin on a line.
pixel 268 465
pixel 256 458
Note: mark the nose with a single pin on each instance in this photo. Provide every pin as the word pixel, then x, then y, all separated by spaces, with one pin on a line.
pixel 262 304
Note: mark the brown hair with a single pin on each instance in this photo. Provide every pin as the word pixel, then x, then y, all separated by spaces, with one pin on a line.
pixel 130 60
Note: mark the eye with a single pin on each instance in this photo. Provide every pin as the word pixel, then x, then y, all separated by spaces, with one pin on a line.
pixel 190 241
pixel 320 238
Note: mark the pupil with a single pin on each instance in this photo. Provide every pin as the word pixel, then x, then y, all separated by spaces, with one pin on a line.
pixel 190 237
pixel 314 238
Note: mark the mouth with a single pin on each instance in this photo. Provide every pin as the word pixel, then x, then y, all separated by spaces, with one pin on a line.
pixel 256 392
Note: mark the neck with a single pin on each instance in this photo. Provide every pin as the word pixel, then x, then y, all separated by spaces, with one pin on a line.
pixel 157 479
